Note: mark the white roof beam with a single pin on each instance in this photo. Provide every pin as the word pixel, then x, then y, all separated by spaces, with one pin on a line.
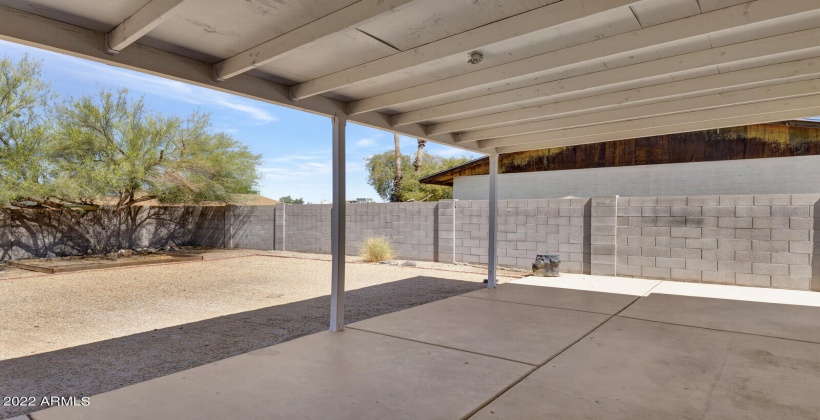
pixel 620 78
pixel 807 108
pixel 699 119
pixel 52 35
pixel 346 18
pixel 658 92
pixel 609 106
pixel 464 42
pixel 135 27
pixel 555 61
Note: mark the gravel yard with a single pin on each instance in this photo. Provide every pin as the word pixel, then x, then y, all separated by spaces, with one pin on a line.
pixel 83 333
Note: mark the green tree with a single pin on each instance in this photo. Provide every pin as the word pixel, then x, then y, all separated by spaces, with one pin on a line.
pixel 107 151
pixel 382 172
pixel 23 129
pixel 287 200
pixel 110 146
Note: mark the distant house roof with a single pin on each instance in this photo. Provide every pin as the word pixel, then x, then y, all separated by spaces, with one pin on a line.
pixel 777 139
pixel 478 166
pixel 237 199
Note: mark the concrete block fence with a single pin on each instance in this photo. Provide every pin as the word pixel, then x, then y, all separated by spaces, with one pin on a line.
pixel 763 240
pixel 755 240
pixel 38 233
pixel 760 240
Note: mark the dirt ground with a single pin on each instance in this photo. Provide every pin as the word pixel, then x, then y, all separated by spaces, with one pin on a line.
pixel 83 333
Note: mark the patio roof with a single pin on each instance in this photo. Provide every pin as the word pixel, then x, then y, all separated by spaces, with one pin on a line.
pixel 545 73
pixel 491 76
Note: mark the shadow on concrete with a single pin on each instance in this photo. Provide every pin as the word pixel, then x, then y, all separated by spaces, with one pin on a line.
pixel 107 365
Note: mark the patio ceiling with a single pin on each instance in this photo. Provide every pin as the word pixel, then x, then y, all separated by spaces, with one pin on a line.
pixel 551 73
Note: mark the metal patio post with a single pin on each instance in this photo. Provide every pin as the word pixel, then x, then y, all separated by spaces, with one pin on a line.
pixel 492 252
pixel 337 227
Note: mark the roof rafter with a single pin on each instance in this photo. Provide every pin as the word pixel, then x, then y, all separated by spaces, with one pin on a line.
pixel 346 18
pixel 654 98
pixel 52 35
pixel 555 61
pixel 701 119
pixel 640 75
pixel 135 27
pixel 515 26
pixel 623 96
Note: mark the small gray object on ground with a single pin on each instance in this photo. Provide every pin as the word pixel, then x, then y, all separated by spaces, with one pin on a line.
pixel 409 264
pixel 546 265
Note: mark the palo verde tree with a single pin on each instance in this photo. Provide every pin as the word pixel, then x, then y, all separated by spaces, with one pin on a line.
pixel 111 146
pixel 23 130
pixel 108 152
pixel 382 172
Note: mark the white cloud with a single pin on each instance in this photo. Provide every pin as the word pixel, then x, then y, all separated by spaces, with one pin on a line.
pixel 226 101
pixel 85 70
pixel 365 142
pixel 307 156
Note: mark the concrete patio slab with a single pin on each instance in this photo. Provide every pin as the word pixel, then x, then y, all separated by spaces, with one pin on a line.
pixel 523 333
pixel 348 375
pixel 770 319
pixel 579 300
pixel 604 284
pixel 633 369
pixel 751 294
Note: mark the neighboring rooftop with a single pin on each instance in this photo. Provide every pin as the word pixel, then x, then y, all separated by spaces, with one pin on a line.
pixel 780 139
pixel 236 199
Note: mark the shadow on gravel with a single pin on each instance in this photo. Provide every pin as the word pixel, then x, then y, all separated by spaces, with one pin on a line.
pixel 107 365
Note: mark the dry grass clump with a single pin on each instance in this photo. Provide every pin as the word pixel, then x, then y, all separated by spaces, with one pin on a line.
pixel 376 249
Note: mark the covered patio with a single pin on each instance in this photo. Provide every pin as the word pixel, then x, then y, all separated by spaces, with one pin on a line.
pixel 493 77
pixel 574 347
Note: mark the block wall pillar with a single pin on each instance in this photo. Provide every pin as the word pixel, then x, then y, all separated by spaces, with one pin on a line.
pixel 603 235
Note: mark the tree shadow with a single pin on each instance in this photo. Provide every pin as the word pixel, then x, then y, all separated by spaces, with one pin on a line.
pixel 110 364
pixel 38 233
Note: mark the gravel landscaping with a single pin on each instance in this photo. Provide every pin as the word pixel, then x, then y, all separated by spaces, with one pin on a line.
pixel 80 334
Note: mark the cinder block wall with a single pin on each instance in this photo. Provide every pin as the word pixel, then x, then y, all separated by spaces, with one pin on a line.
pixel 762 240
pixel 525 228
pixel 26 233
pixel 251 227
pixel 410 226
pixel 307 227
pixel 755 240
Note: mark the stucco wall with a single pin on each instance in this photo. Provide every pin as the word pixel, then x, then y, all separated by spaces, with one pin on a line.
pixel 792 175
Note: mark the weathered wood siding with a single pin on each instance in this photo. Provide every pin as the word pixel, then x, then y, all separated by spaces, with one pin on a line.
pixel 746 142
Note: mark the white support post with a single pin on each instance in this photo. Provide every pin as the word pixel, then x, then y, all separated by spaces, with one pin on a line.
pixel 492 253
pixel 337 228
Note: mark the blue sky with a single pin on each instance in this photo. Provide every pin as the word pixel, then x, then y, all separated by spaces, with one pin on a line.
pixel 295 145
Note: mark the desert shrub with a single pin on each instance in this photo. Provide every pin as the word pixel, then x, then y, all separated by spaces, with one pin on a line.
pixel 376 248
